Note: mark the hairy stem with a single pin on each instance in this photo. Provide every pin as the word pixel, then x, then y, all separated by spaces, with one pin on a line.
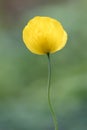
pixel 49 93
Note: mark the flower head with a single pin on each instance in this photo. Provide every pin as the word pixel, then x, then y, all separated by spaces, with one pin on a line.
pixel 44 35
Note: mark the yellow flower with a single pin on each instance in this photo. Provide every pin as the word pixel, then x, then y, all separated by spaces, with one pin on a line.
pixel 44 35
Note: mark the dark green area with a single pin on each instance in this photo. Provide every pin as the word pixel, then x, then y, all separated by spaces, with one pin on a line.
pixel 23 75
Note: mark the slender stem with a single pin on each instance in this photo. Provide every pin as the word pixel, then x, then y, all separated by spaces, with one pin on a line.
pixel 49 92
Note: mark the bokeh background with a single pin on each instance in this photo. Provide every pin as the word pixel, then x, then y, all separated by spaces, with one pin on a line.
pixel 23 75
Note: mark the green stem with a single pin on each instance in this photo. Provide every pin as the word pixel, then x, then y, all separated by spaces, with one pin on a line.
pixel 49 92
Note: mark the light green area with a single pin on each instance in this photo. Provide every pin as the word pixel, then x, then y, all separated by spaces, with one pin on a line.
pixel 23 75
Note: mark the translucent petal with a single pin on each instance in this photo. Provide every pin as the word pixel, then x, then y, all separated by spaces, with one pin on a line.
pixel 44 35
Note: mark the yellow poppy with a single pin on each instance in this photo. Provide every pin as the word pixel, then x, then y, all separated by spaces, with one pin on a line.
pixel 44 35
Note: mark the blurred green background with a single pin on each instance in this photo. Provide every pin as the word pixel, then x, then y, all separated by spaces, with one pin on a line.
pixel 23 75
